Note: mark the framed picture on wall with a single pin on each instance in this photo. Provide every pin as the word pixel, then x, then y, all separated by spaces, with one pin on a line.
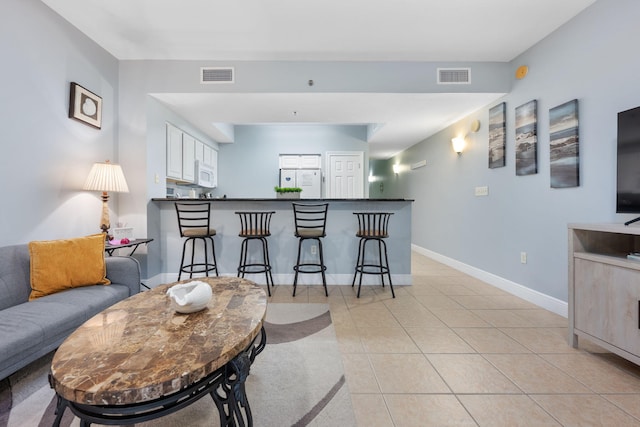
pixel 527 138
pixel 85 106
pixel 497 136
pixel 564 145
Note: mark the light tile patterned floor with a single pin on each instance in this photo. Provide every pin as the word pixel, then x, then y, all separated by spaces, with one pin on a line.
pixel 453 351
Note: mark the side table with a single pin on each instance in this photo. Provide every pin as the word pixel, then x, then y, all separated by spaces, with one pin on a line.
pixel 109 248
pixel 133 244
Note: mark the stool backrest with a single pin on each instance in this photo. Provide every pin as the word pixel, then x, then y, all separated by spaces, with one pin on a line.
pixel 193 217
pixel 255 224
pixel 373 224
pixel 310 217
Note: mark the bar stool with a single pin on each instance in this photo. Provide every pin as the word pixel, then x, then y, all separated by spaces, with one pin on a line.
pixel 310 221
pixel 372 226
pixel 255 226
pixel 194 224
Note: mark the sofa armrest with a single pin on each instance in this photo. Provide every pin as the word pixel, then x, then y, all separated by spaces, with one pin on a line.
pixel 124 270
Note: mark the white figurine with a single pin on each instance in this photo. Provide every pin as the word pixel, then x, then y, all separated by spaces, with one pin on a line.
pixel 190 297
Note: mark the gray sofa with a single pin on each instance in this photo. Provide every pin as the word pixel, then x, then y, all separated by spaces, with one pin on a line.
pixel 31 329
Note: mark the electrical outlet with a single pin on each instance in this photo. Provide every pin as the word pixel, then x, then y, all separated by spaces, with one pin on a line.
pixel 314 249
pixel 157 179
pixel 482 191
pixel 523 257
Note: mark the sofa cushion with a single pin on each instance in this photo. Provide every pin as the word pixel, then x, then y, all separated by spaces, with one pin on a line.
pixel 48 320
pixel 57 265
pixel 14 275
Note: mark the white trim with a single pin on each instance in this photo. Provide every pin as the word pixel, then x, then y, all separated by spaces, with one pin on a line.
pixel 287 279
pixel 542 300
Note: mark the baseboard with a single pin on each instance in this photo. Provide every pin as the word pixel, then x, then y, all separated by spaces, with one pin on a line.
pixel 303 279
pixel 542 300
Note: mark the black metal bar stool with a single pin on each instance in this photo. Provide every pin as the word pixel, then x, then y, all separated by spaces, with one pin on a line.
pixel 372 226
pixel 310 221
pixel 255 226
pixel 194 221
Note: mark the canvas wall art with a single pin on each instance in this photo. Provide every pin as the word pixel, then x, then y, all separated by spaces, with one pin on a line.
pixel 527 138
pixel 497 136
pixel 564 145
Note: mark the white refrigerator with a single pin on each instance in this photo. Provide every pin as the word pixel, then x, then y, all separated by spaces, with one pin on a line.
pixel 310 180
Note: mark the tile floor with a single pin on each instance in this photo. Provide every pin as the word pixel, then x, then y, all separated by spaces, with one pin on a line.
pixel 454 351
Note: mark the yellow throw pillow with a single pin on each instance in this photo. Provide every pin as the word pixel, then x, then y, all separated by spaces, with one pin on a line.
pixel 57 265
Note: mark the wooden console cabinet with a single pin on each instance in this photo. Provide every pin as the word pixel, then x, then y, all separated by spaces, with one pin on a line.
pixel 604 287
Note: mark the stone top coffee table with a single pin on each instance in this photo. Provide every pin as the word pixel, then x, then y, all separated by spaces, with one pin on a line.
pixel 139 359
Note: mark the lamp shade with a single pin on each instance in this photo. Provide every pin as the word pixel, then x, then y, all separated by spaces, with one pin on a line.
pixel 458 144
pixel 106 177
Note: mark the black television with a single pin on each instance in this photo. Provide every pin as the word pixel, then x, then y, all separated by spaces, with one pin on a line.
pixel 628 175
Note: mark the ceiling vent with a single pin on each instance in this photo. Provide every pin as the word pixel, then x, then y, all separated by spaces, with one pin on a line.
pixel 454 76
pixel 209 75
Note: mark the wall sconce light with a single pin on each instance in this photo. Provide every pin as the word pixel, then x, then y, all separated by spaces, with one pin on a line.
pixel 396 169
pixel 458 144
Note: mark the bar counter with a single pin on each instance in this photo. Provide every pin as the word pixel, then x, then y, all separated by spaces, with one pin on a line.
pixel 340 245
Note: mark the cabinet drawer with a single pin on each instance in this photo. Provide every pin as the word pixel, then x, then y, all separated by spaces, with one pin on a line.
pixel 607 301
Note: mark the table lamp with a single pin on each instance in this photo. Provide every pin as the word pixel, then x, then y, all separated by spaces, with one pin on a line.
pixel 106 177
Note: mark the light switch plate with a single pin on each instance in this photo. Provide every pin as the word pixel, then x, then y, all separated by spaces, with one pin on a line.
pixel 482 191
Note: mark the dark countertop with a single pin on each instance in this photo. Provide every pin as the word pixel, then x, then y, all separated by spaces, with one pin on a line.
pixel 186 199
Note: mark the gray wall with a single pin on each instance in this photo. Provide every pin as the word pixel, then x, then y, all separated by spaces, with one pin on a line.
pixel 47 156
pixel 139 79
pixel 250 165
pixel 593 59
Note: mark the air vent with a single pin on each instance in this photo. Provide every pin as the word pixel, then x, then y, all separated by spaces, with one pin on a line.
pixel 209 75
pixel 454 76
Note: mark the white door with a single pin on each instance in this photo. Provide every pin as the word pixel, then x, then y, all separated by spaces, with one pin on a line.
pixel 345 178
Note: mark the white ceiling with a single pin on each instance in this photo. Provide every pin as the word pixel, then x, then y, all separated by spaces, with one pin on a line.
pixel 331 30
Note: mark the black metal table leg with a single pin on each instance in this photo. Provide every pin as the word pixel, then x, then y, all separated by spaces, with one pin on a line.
pixel 226 386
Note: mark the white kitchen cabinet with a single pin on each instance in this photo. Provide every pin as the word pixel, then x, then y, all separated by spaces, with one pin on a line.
pixel 604 288
pixel 311 161
pixel 174 152
pixel 188 157
pixel 200 151
pixel 289 161
pixel 210 156
pixel 204 153
pixel 182 152
pixel 300 161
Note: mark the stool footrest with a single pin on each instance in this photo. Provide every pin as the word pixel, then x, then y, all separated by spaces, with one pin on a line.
pixel 254 268
pixel 301 268
pixel 379 269
pixel 198 268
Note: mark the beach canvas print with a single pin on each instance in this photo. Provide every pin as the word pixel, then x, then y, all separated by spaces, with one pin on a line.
pixel 527 139
pixel 564 145
pixel 497 136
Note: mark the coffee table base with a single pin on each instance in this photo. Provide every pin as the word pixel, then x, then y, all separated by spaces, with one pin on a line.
pixel 226 386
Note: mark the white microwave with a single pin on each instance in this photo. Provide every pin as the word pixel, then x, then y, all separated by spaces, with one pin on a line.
pixel 206 175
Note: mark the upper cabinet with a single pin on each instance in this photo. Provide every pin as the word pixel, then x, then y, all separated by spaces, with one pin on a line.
pixel 188 157
pixel 174 152
pixel 300 161
pixel 182 152
pixel 206 154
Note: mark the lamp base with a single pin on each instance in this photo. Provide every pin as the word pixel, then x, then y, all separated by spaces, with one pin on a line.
pixel 104 219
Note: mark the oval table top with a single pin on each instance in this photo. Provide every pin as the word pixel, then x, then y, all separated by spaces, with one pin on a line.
pixel 140 349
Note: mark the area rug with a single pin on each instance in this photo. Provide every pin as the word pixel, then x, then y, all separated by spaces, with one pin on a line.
pixel 298 380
